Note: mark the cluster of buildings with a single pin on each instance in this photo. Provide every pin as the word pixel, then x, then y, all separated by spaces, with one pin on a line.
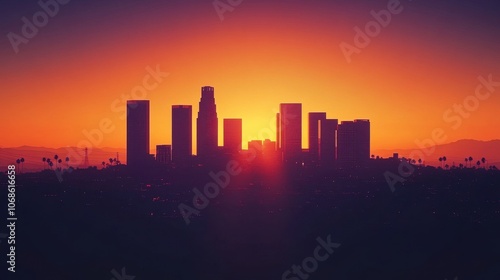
pixel 330 142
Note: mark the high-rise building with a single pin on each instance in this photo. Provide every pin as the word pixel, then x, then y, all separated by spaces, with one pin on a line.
pixel 232 135
pixel 290 126
pixel 182 133
pixel 328 139
pixel 353 145
pixel 269 149
pixel 207 125
pixel 314 128
pixel 138 133
pixel 164 154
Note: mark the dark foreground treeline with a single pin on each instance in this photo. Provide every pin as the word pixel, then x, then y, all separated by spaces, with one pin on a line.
pixel 438 224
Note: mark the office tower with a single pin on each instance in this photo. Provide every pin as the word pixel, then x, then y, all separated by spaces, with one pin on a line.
pixel 182 133
pixel 138 133
pixel 290 123
pixel 278 134
pixel 314 144
pixel 328 139
pixel 232 135
pixel 206 125
pixel 163 154
pixel 363 131
pixel 353 144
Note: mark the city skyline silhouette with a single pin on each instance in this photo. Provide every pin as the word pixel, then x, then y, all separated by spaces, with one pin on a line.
pixel 260 64
pixel 352 142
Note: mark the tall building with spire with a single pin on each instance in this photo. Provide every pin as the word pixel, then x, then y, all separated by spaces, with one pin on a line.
pixel 207 125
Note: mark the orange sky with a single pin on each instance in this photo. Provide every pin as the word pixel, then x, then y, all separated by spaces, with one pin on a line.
pixel 66 78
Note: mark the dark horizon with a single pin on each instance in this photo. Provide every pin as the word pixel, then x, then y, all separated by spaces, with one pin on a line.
pixel 233 139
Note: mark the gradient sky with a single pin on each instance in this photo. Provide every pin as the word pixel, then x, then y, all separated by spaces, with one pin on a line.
pixel 65 79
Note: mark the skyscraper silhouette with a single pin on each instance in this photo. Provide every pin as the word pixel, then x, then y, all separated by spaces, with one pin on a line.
pixel 138 133
pixel 328 139
pixel 256 146
pixel 164 154
pixel 269 149
pixel 182 133
pixel 207 125
pixel 232 135
pixel 290 122
pixel 353 144
pixel 314 144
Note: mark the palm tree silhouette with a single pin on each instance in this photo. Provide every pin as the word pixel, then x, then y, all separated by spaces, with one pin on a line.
pixel 441 161
pixel 466 160
pixel 483 160
pixel 67 162
pixel 44 160
pixel 56 157
pixel 446 166
pixel 59 161
pixel 18 161
pixel 22 164
pixel 444 159
pixel 51 164
pixel 103 164
pixel 478 163
pixel 420 161
pixel 470 161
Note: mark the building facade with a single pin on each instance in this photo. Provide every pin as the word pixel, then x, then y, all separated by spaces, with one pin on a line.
pixel 207 125
pixel 137 133
pixel 232 135
pixel 182 133
pixel 290 132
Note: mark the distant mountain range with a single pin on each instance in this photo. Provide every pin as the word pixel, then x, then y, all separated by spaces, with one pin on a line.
pixel 455 152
